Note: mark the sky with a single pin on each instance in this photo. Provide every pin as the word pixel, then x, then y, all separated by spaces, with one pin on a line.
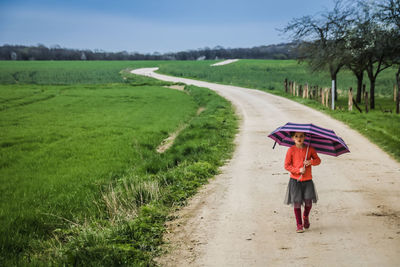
pixel 148 26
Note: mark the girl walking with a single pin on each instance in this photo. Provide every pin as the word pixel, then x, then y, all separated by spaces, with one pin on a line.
pixel 301 189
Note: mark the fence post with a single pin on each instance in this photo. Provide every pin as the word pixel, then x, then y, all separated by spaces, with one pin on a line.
pixel 306 89
pixel 350 102
pixel 286 85
pixel 394 93
pixel 333 95
pixel 294 89
pixel 314 93
pixel 291 87
pixel 320 95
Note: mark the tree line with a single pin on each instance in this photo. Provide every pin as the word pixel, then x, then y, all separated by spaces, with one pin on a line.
pixel 41 52
pixel 362 36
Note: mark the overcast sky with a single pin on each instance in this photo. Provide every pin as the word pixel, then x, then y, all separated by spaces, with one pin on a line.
pixel 148 26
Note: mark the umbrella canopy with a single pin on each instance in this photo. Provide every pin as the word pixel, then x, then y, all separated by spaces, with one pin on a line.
pixel 323 140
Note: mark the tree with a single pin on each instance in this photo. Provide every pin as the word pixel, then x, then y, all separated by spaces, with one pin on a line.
pixel 355 46
pixel 323 39
pixel 390 16
pixel 377 47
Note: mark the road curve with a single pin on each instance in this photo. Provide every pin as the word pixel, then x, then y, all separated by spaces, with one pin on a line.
pixel 239 218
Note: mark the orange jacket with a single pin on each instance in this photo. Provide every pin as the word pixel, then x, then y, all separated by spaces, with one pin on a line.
pixel 294 161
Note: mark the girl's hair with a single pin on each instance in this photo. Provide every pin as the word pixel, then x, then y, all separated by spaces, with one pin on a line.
pixel 293 133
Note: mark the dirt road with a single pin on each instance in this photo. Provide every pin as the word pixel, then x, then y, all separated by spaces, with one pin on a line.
pixel 239 218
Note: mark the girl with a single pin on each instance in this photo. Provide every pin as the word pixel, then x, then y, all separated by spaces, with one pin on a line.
pixel 301 188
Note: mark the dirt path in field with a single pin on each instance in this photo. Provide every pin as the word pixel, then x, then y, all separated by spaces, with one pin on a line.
pixel 225 62
pixel 239 218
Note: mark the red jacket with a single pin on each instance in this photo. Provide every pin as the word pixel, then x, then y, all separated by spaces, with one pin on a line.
pixel 294 161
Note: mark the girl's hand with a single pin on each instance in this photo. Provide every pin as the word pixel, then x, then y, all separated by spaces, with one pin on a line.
pixel 307 163
pixel 302 170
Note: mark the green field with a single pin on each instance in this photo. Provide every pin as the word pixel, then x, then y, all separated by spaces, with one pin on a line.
pixel 66 72
pixel 381 125
pixel 81 181
pixel 270 74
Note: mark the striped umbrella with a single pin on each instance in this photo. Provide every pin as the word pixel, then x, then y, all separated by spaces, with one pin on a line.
pixel 323 140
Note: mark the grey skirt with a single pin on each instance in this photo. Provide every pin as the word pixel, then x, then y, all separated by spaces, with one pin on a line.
pixel 297 192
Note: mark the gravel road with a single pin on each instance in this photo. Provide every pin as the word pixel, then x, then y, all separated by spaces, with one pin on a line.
pixel 239 218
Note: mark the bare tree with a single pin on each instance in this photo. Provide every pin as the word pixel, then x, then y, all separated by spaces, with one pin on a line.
pixel 390 16
pixel 323 39
pixel 377 47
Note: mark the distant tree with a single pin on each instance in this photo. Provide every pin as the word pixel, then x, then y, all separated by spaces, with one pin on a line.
pixel 13 55
pixel 83 56
pixel 57 53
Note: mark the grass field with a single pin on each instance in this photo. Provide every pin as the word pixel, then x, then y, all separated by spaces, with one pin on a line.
pixel 270 74
pixel 380 127
pixel 66 72
pixel 81 181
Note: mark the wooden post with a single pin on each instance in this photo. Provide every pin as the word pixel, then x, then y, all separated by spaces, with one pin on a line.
pixel 300 90
pixel 398 101
pixel 323 96
pixel 320 94
pixel 350 102
pixel 394 92
pixel 334 96
pixel 291 87
pixel 294 88
pixel 297 89
pixel 285 83
pixel 366 102
pixel 327 98
pixel 311 92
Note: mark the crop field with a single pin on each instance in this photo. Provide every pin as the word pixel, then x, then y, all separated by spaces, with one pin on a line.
pixel 81 181
pixel 270 74
pixel 67 72
pixel 381 125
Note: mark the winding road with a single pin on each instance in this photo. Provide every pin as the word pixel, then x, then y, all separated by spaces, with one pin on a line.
pixel 239 218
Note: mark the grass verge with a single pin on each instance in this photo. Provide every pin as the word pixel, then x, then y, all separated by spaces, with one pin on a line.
pixel 82 183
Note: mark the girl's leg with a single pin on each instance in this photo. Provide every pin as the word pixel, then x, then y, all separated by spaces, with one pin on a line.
pixel 297 213
pixel 307 209
pixel 308 206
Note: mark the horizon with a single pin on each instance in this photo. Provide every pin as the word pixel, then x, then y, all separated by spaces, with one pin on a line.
pixel 150 27
pixel 131 52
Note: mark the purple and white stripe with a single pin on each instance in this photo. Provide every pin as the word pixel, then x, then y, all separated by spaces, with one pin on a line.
pixel 323 140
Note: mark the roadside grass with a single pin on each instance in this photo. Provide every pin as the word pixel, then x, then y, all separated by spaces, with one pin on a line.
pixel 81 181
pixel 381 125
